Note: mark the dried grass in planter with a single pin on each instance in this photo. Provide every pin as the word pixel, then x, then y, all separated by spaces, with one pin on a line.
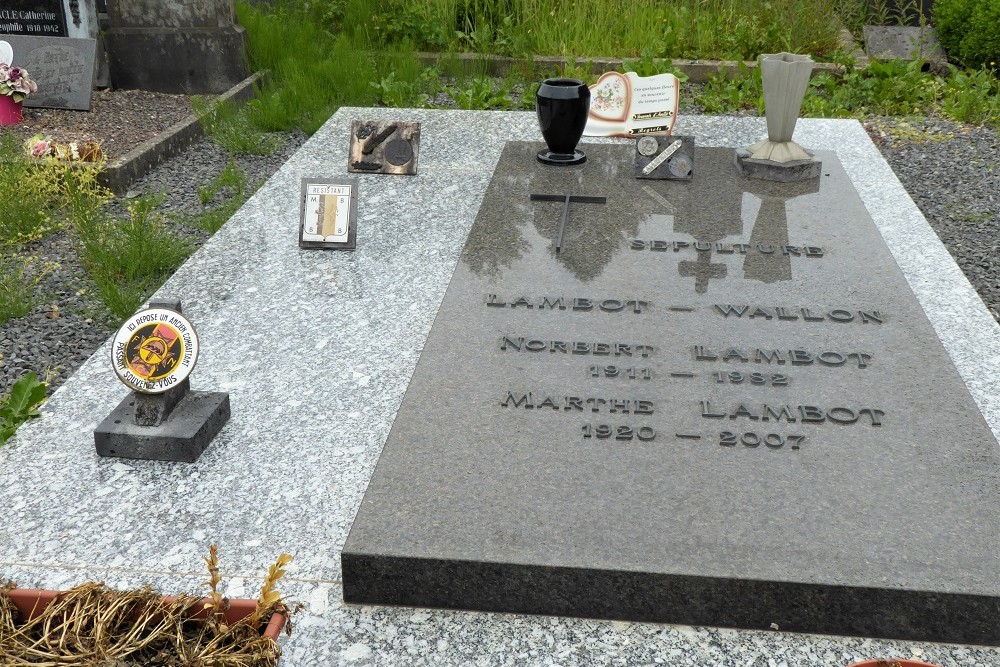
pixel 93 626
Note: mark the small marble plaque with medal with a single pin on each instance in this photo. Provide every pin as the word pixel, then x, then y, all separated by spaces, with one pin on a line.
pixel 664 157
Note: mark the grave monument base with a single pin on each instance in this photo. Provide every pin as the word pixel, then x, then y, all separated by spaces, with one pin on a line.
pixel 181 436
pixel 781 172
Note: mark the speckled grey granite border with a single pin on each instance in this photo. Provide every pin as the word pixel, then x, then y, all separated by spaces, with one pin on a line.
pixel 316 349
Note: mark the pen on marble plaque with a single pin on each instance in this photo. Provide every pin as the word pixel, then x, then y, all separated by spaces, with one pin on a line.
pixel 662 157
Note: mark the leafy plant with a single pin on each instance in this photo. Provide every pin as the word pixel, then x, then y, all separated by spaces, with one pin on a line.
pixel 968 30
pixel 972 96
pixel 20 405
pixel 723 92
pixel 481 92
pixel 396 91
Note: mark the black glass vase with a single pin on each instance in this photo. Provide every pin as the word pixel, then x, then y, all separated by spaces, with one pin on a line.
pixel 562 106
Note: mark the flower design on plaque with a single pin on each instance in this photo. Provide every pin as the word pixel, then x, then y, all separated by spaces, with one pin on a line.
pixel 609 97
pixel 154 350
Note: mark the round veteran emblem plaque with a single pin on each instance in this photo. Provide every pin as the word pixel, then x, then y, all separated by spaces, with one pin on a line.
pixel 154 350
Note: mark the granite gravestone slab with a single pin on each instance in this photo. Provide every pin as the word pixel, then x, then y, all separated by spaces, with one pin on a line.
pixel 719 403
pixel 63 69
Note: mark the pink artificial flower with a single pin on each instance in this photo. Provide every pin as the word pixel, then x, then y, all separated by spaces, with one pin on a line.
pixel 14 73
pixel 41 148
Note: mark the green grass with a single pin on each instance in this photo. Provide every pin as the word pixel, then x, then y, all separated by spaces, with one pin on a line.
pixel 233 127
pixel 314 72
pixel 127 259
pixel 725 29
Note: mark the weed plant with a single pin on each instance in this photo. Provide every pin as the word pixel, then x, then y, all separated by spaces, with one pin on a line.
pixel 20 276
pixel 233 127
pixel 230 186
pixel 31 195
pixel 127 259
pixel 890 88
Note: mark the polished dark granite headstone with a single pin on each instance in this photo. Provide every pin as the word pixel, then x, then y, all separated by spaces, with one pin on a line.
pixel 788 442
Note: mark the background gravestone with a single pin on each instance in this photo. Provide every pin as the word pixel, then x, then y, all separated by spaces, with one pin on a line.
pixel 63 69
pixel 56 41
pixel 175 46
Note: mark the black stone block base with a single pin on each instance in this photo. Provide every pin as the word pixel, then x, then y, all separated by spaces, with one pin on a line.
pixel 182 436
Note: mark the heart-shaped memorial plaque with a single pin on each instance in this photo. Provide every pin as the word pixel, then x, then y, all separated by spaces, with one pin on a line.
pixel 609 97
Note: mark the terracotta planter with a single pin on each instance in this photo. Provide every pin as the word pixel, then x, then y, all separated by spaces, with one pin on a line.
pixel 30 602
pixel 891 662
pixel 10 111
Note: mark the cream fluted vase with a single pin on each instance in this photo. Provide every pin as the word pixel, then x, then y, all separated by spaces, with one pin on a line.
pixel 785 77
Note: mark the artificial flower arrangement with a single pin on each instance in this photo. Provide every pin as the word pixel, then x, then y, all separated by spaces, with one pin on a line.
pixel 74 151
pixel 15 82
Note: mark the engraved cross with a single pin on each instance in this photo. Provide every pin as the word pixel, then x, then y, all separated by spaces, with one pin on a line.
pixel 567 199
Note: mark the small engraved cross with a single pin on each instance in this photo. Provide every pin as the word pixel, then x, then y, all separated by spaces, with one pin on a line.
pixel 567 199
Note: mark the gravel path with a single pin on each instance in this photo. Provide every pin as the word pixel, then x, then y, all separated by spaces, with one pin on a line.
pixel 951 171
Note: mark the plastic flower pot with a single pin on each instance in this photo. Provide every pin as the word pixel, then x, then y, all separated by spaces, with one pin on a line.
pixel 10 111
pixel 892 662
pixel 30 602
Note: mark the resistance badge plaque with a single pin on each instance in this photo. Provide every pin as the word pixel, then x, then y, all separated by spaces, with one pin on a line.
pixel 328 209
pixel 154 350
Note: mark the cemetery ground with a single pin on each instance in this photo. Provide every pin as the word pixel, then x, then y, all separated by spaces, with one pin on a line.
pixel 147 522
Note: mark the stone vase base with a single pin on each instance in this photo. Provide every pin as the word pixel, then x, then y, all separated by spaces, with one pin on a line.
pixel 782 172
pixel 778 151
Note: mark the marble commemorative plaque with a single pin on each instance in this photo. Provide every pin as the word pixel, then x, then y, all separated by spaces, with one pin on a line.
pixel 44 18
pixel 710 402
